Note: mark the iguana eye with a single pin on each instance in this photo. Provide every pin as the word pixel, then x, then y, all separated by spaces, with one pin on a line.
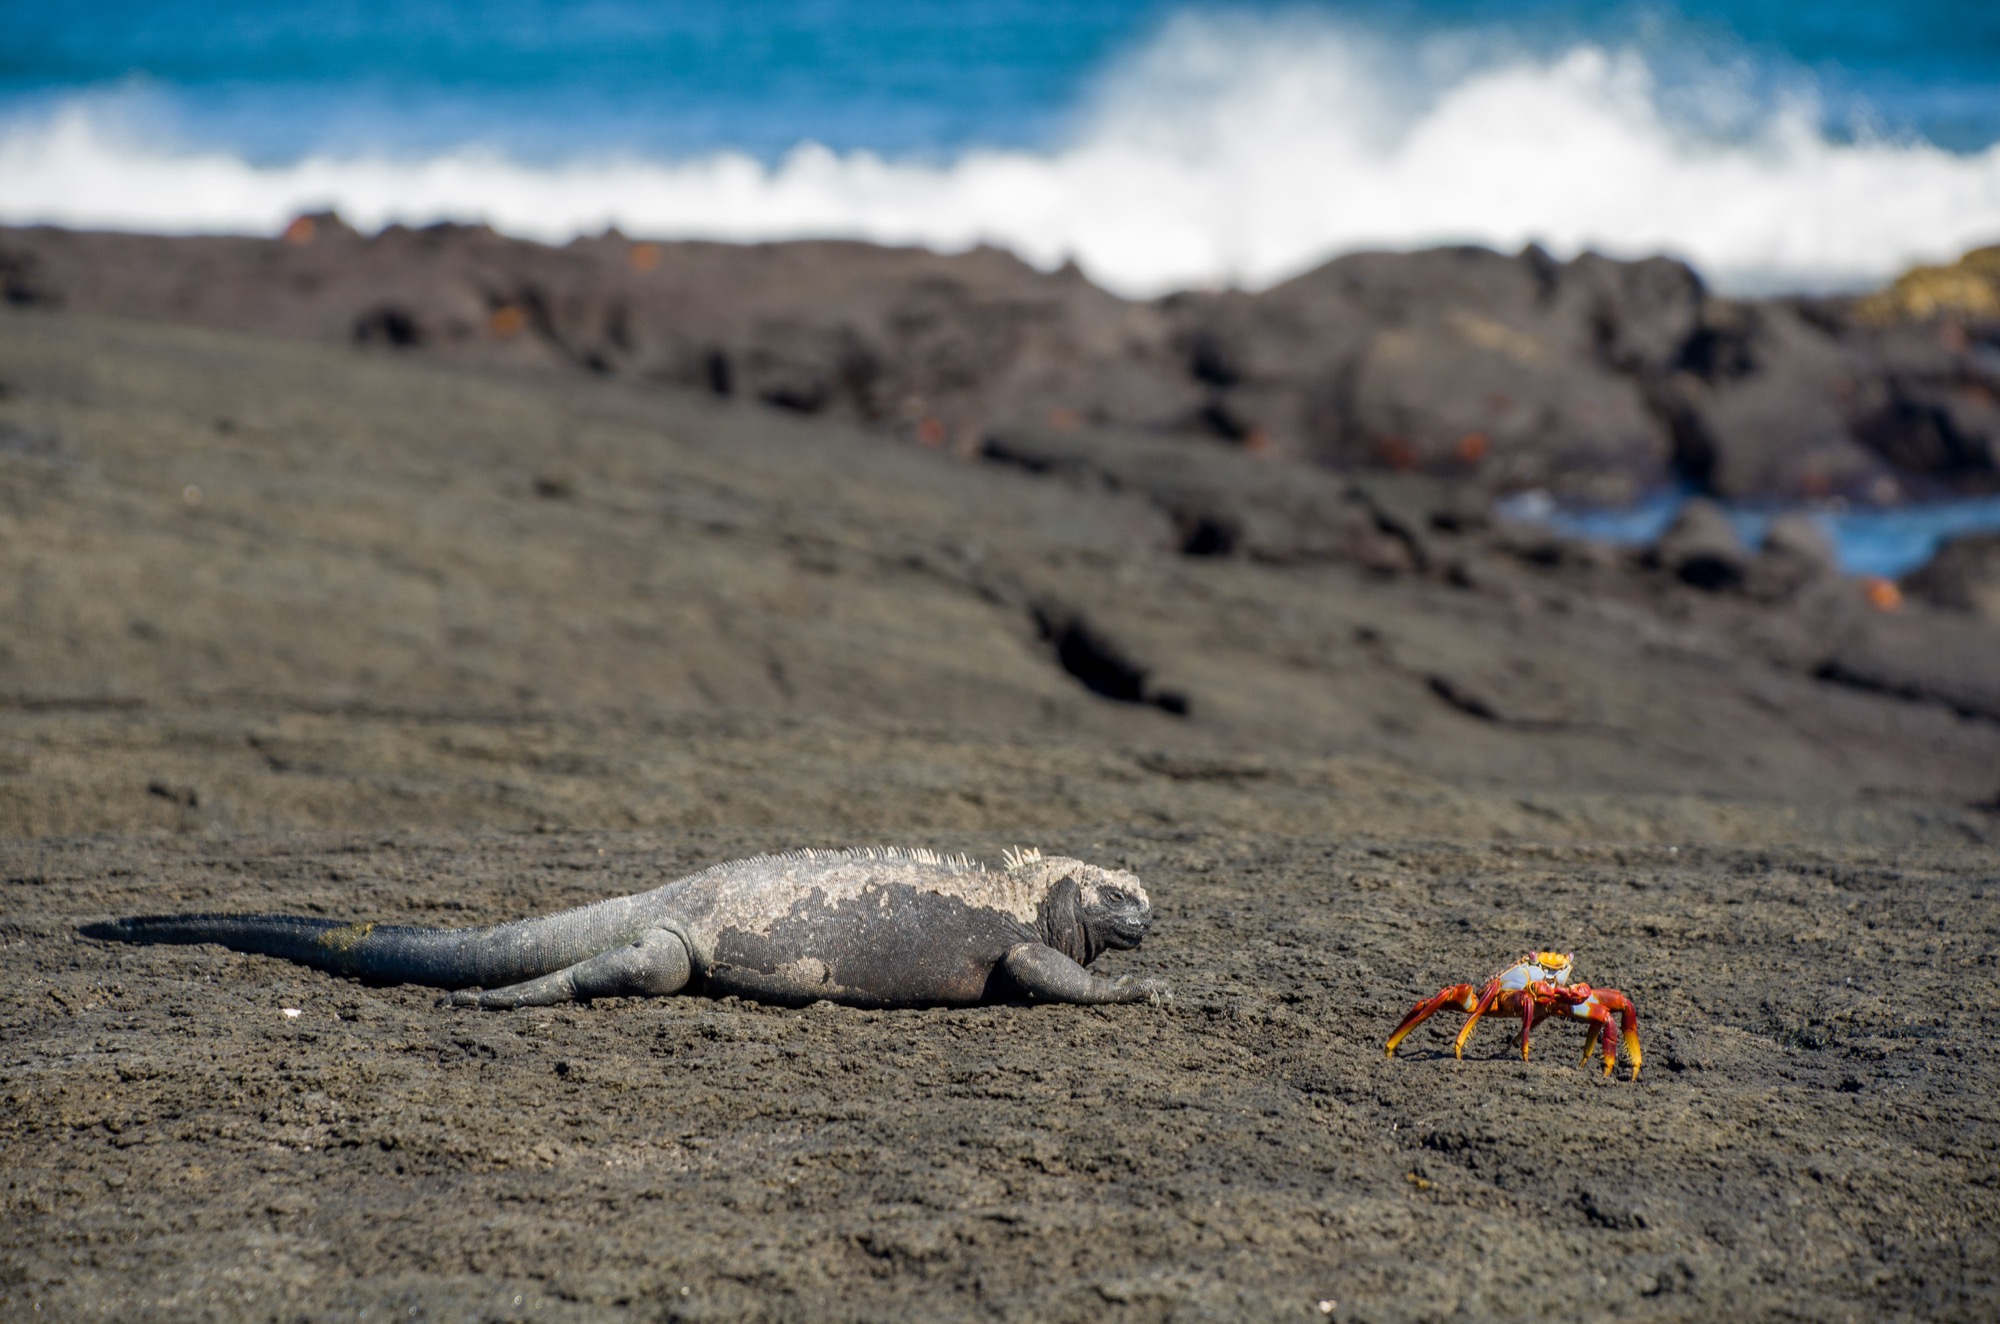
pixel 1114 897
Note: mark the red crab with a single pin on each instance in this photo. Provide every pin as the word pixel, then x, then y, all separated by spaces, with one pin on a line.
pixel 1535 988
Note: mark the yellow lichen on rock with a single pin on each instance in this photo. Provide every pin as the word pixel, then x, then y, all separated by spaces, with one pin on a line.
pixel 1969 287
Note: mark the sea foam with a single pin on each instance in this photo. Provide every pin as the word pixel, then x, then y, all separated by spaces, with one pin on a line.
pixel 1226 151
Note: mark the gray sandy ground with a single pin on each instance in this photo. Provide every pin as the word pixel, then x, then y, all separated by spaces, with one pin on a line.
pixel 432 646
pixel 1813 1136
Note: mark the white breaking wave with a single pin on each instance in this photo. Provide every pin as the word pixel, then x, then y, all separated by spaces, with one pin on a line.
pixel 1229 151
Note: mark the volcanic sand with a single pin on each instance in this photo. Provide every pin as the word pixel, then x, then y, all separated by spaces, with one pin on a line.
pixel 298 629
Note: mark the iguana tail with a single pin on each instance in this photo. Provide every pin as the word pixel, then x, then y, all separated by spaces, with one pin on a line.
pixel 394 954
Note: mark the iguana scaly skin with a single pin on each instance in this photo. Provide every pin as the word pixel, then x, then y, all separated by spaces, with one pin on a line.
pixel 870 928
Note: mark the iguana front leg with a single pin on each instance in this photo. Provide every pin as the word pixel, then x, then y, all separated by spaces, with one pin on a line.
pixel 654 964
pixel 1043 972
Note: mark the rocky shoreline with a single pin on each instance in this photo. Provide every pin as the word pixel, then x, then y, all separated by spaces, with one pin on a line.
pixel 1594 378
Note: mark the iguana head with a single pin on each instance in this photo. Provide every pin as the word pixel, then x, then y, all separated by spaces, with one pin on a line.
pixel 1085 910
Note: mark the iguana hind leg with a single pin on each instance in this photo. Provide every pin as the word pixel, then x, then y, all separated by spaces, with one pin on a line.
pixel 1043 972
pixel 654 964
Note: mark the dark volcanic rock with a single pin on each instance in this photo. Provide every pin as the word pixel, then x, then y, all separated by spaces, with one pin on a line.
pixel 1964 576
pixel 1455 361
pixel 1936 658
pixel 1702 548
pixel 1799 538
pixel 1596 378
pixel 1934 410
pixel 1796 552
pixel 1216 501
pixel 1770 411
pixel 880 334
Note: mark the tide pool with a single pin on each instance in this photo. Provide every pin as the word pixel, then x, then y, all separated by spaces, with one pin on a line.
pixel 1886 541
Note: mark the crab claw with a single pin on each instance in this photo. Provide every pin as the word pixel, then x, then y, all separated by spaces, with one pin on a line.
pixel 1601 1006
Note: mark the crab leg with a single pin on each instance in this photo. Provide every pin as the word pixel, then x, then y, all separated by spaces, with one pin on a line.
pixel 1487 997
pixel 1530 1002
pixel 1628 1024
pixel 1589 1042
pixel 1458 995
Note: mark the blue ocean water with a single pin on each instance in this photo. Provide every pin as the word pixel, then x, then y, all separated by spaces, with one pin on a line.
pixel 1886 541
pixel 1160 143
pixel 546 79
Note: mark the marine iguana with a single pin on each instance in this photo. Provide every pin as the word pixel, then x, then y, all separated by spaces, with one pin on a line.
pixel 870 928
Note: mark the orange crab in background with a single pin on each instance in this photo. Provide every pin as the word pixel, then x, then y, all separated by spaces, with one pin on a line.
pixel 1535 988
